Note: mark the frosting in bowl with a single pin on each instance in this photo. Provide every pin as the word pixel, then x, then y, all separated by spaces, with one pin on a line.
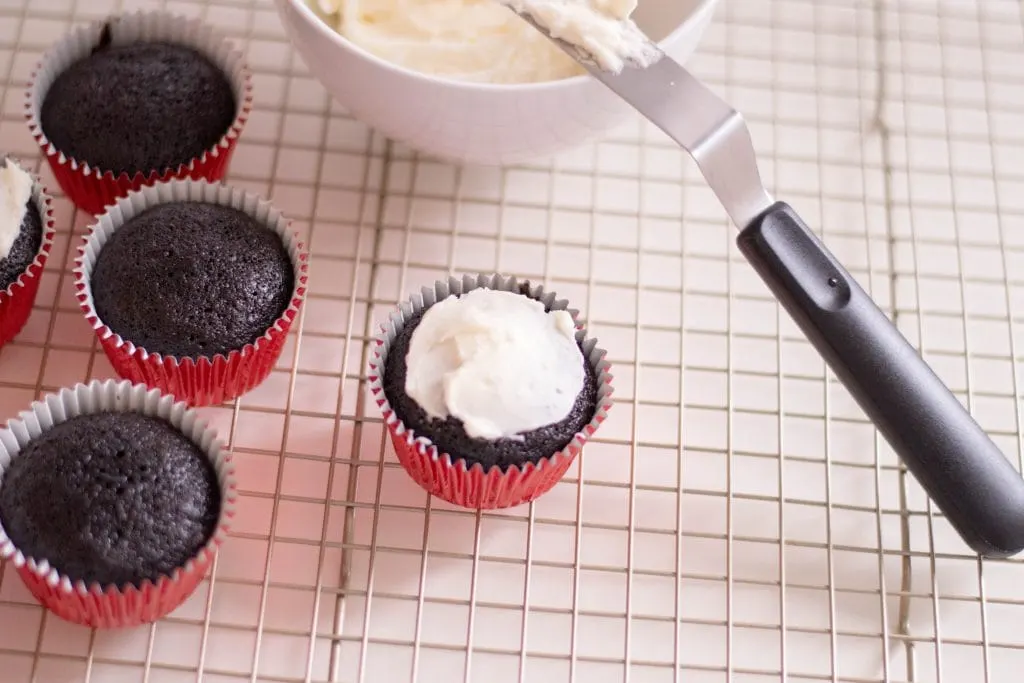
pixel 600 29
pixel 481 40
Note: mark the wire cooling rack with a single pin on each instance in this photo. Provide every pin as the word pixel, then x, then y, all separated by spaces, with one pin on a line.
pixel 737 519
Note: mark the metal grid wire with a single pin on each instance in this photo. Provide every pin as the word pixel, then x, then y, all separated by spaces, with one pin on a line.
pixel 737 518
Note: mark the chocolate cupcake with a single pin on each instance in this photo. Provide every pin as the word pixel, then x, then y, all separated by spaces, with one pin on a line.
pixel 26 236
pixel 21 226
pixel 158 265
pixel 489 389
pixel 192 288
pixel 135 99
pixel 136 107
pixel 113 499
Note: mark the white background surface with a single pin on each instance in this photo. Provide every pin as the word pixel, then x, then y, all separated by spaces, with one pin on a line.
pixel 736 519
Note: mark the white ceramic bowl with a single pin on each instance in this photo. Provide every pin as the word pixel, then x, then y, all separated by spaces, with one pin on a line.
pixel 479 123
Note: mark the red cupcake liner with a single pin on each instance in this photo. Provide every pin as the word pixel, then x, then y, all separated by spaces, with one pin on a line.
pixel 115 606
pixel 448 476
pixel 206 380
pixel 17 300
pixel 90 188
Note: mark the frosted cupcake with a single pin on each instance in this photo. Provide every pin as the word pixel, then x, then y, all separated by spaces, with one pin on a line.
pixel 26 236
pixel 489 389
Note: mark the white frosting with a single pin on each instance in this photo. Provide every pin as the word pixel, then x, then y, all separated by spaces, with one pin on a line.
pixel 482 41
pixel 15 191
pixel 468 40
pixel 600 28
pixel 496 361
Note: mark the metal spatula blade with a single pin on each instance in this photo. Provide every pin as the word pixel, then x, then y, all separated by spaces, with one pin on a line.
pixel 950 455
pixel 712 132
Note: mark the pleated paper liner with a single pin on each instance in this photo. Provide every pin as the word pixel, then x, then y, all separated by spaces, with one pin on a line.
pixel 204 380
pixel 91 188
pixel 115 606
pixel 448 476
pixel 17 300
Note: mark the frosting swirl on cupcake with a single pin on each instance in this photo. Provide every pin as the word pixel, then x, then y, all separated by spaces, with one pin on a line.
pixel 497 361
pixel 15 193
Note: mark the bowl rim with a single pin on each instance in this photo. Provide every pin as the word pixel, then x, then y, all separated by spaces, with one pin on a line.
pixel 319 25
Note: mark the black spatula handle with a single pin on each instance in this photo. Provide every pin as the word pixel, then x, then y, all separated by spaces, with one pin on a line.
pixel 958 465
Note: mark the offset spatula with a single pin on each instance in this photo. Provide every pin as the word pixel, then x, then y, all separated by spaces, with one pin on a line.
pixel 958 465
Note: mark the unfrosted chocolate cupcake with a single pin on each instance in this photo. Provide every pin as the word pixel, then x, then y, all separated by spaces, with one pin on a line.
pixel 192 279
pixel 138 107
pixel 137 98
pixel 191 288
pixel 113 501
pixel 111 498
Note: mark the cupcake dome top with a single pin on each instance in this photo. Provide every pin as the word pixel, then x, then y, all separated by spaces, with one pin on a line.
pixel 111 498
pixel 192 279
pixel 138 107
